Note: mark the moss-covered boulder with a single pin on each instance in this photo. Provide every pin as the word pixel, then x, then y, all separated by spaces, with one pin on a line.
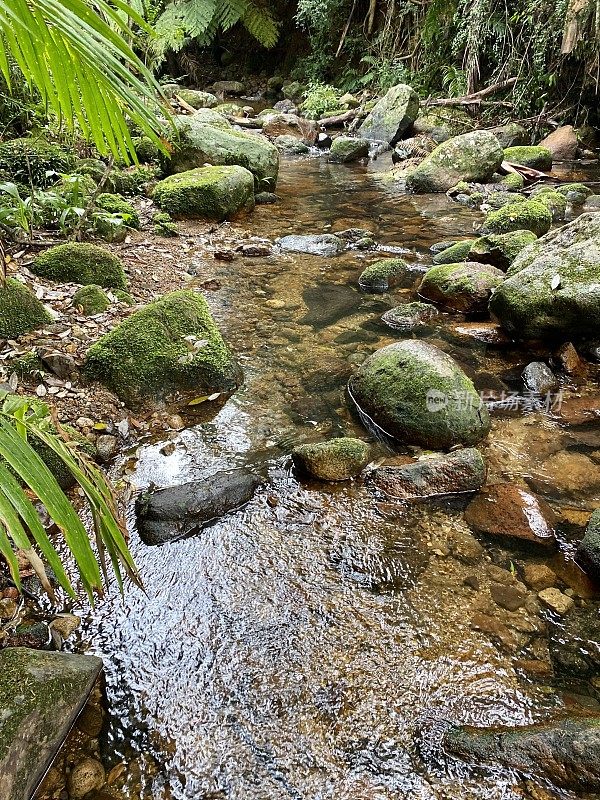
pixel 385 274
pixel 513 181
pixel 133 180
pixel 418 394
pixel 197 99
pixel 206 193
pixel 588 552
pixel 442 124
pixel 473 156
pixel 291 145
pixel 553 286
pixel 200 143
pixel 576 193
pixel 529 216
pixel 534 157
pixel 146 150
pixel 345 149
pixel 455 253
pixel 500 250
pixel 392 115
pixel 335 460
pixel 410 317
pixel 464 287
pixel 20 310
pixel 76 262
pixel 91 300
pixel 164 225
pixel 116 204
pixel 170 345
pixel 230 109
pixel 555 202
pixel 510 135
pixel 496 200
pixel 29 160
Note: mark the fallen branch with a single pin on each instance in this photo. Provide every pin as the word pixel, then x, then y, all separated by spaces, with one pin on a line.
pixel 339 119
pixel 475 98
pixel 184 105
pixel 526 172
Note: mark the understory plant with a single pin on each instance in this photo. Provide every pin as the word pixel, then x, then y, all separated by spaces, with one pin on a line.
pixel 26 480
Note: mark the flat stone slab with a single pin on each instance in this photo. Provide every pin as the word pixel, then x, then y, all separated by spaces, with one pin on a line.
pixel 41 695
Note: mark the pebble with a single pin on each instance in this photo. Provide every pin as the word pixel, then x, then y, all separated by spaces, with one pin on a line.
pixel 85 777
pixel 539 577
pixel 106 447
pixel 556 601
pixel 8 608
pixel 84 422
pixel 568 358
pixel 509 597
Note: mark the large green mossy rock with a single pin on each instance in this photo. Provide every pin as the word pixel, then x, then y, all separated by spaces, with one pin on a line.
pixel 392 115
pixel 464 287
pixel 553 286
pixel 472 156
pixel 170 345
pixel 418 394
pixel 528 216
pixel 442 124
pixel 197 99
pixel 76 262
pixel 201 143
pixel 20 310
pixel 345 149
pixel 334 460
pixel 91 299
pixel 41 694
pixel 534 157
pixel 30 160
pixel 206 192
pixel 500 250
pixel 455 253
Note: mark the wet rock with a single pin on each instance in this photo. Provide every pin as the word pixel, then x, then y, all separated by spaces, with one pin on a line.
pixel 556 601
pixel 392 115
pixel 303 130
pixel 172 344
pixel 291 146
pixel 168 514
pixel 345 149
pixel 530 215
pixel 464 546
pixel 552 287
pixel 575 644
pixel 539 577
pixel 504 509
pixel 206 193
pixel 455 473
pixel 576 193
pixel 527 156
pixel 36 721
pixel 321 244
pixel 235 88
pixel 463 287
pixel 565 752
pixel 419 395
pixel 510 135
pixel 409 317
pixel 473 156
pixel 385 274
pixel 487 332
pixel 510 598
pixel 286 106
pixel 588 552
pixel 454 253
pixel 562 143
pixel 500 250
pixel 324 141
pixel 334 460
pixel 538 377
pixel 65 625
pixel 85 776
pixel 568 358
pixel 498 632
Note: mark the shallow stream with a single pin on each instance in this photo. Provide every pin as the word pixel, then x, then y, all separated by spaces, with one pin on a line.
pixel 301 647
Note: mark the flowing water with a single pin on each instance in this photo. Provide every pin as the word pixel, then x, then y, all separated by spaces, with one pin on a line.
pixel 303 646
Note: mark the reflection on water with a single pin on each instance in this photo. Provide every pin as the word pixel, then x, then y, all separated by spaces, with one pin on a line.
pixel 294 649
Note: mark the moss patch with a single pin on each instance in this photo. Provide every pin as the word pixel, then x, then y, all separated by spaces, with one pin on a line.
pixel 531 216
pixel 455 253
pixel 207 192
pixel 116 204
pixel 75 262
pixel 500 250
pixel 20 310
pixel 576 193
pixel 513 181
pixel 335 460
pixel 91 299
pixel 534 157
pixel 170 344
pixel 164 225
pixel 383 274
pixel 555 202
pixel 462 287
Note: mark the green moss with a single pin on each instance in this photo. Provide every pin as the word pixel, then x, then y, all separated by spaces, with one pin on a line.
pixel 132 181
pixel 80 263
pixel 229 109
pixel 124 297
pixel 27 366
pixel 555 202
pixel 497 200
pixel 207 192
pixel 116 204
pixel 513 181
pixel 347 148
pixel 576 193
pixel 20 310
pixel 534 157
pixel 91 299
pixel 462 287
pixel 146 150
pixel 531 215
pixel 197 99
pixel 92 167
pixel 164 225
pixel 335 460
pixel 170 344
pixel 500 250
pixel 455 253
pixel 28 160
pixel 382 275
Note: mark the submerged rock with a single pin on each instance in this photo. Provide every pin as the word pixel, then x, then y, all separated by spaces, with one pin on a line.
pixel 575 644
pixel 291 145
pixel 418 394
pixel 538 377
pixel 463 287
pixel 20 310
pixel 206 193
pixel 392 115
pixel 473 156
pixel 172 344
pixel 565 752
pixel 410 316
pixel 455 473
pixel 588 552
pixel 553 286
pixel 320 244
pixel 334 460
pixel 504 509
pixel 387 273
pixel 348 148
pixel 168 514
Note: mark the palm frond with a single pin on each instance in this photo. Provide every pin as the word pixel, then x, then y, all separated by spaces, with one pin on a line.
pixel 74 53
pixel 21 529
